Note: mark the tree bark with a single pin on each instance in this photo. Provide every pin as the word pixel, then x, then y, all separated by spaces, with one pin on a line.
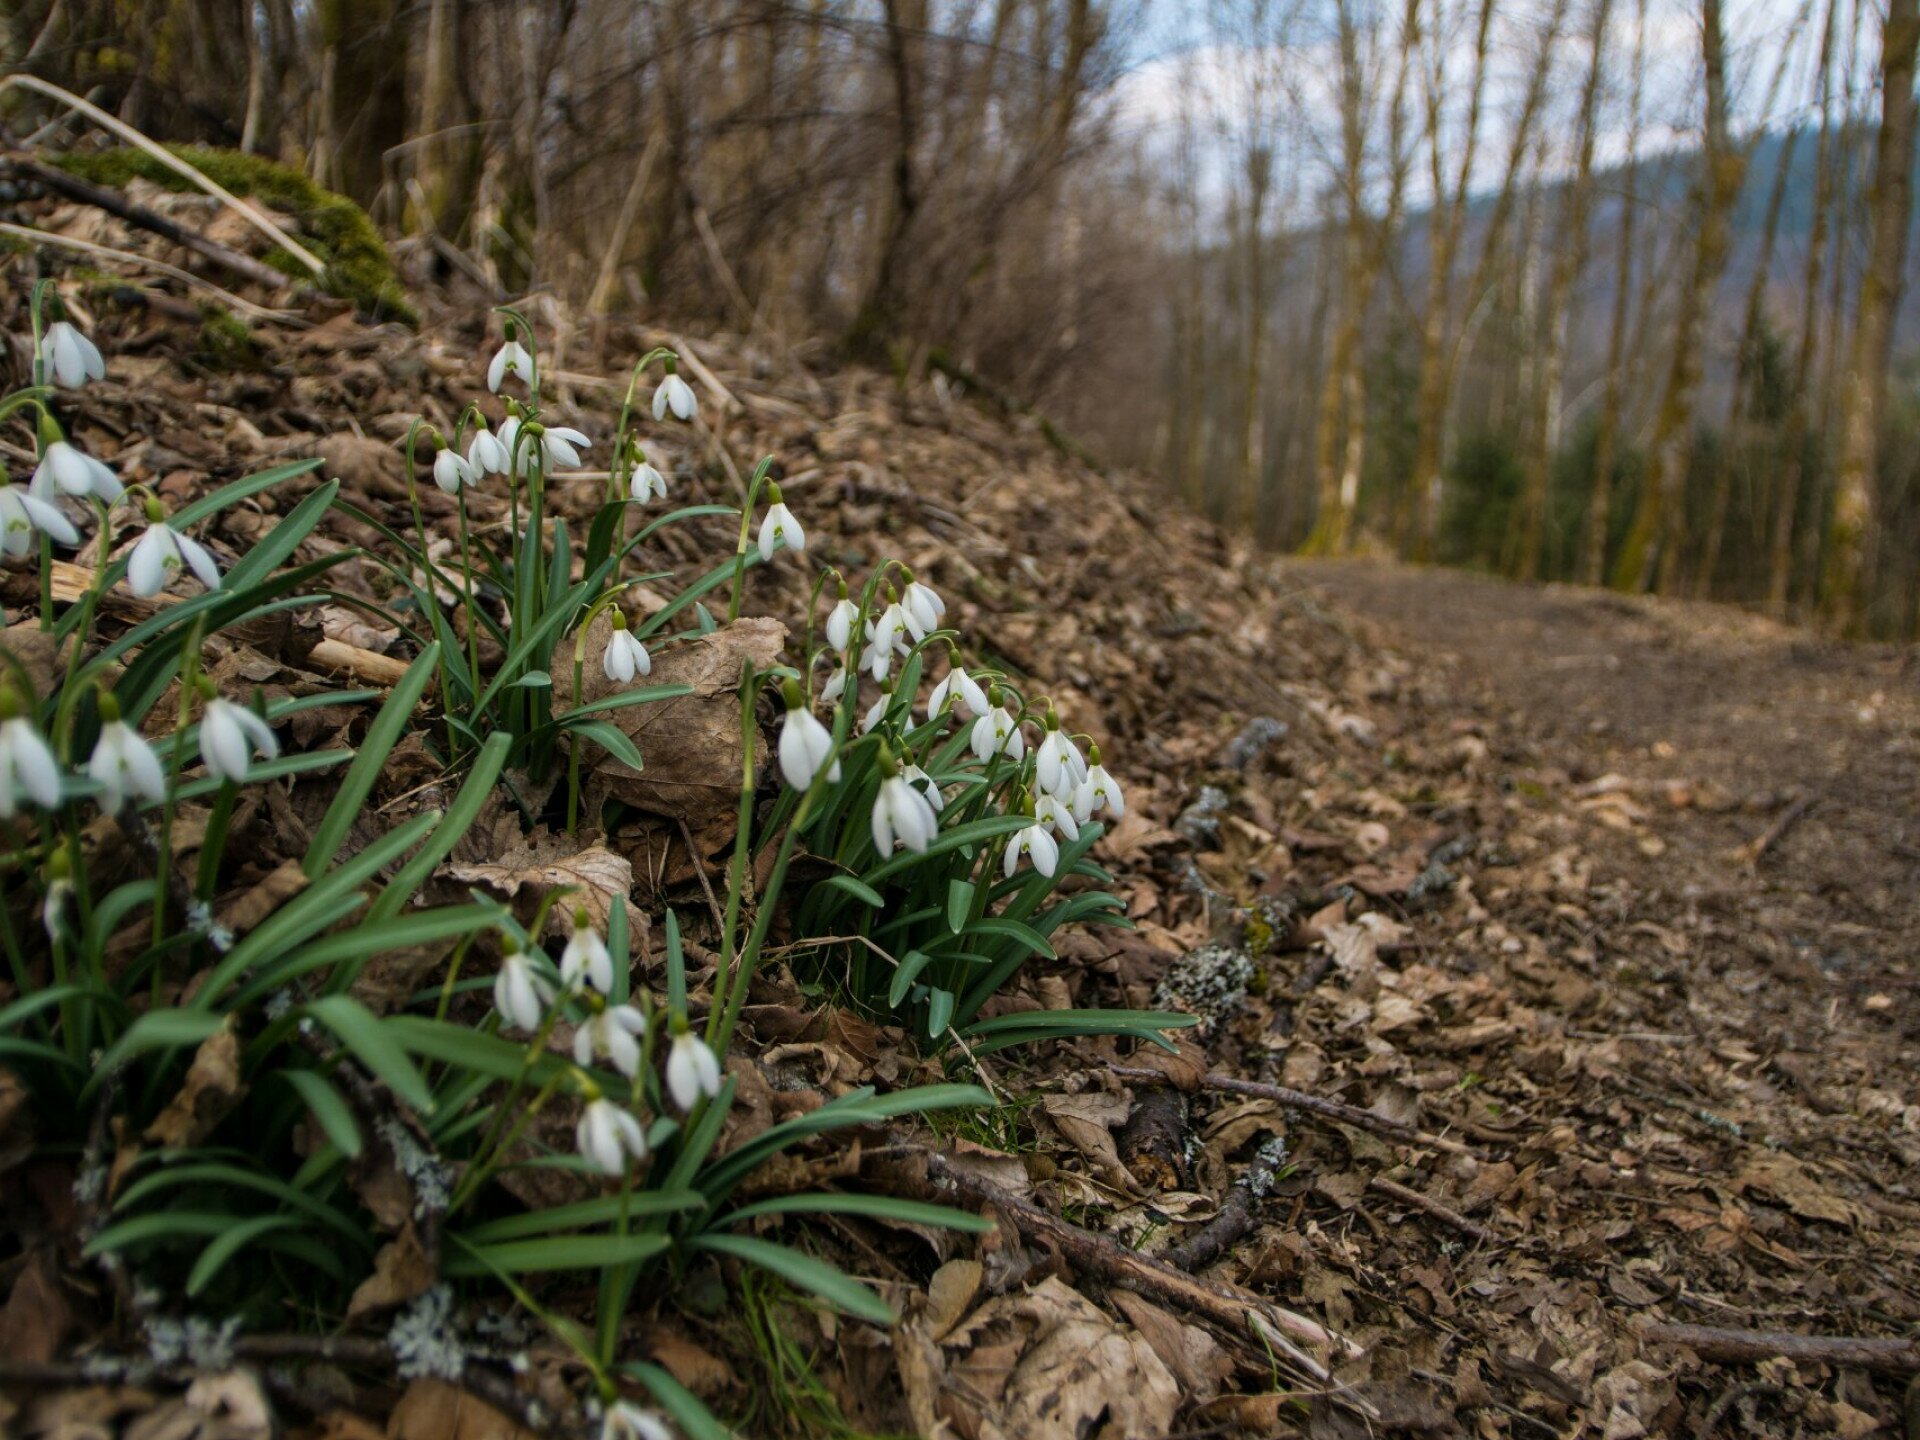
pixel 1786 500
pixel 1569 260
pixel 1593 557
pixel 1864 389
pixel 1659 526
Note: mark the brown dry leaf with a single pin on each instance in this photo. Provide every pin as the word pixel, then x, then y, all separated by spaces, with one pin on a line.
pixel 1087 1121
pixel 691 744
pixel 401 1270
pixel 208 1094
pixel 16 1121
pixel 1074 1374
pixel 244 911
pixel 37 1317
pixel 1780 1175
pixel 949 1293
pixel 1190 1352
pixel 700 1370
pixel 543 862
pixel 435 1410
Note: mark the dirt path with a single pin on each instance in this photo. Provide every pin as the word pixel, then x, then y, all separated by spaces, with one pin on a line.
pixel 1723 726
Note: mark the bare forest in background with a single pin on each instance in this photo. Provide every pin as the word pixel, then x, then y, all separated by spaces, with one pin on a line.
pixel 1598 290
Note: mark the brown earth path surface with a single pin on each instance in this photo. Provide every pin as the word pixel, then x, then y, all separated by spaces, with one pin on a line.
pixel 1722 725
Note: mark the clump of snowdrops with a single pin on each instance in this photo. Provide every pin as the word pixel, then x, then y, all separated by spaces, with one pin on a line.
pixel 948 836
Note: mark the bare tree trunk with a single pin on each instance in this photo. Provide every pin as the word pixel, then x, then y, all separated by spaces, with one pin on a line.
pixel 1863 396
pixel 1658 534
pixel 1744 378
pixel 1786 500
pixel 1340 429
pixel 878 316
pixel 450 152
pixel 1593 557
pixel 1441 348
pixel 1569 260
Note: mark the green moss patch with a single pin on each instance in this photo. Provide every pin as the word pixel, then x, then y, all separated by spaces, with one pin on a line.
pixel 334 228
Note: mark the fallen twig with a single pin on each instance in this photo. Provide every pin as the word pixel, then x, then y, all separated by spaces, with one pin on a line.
pixel 185 277
pixel 1227 1306
pixel 1219 1234
pixel 1752 853
pixel 174 163
pixel 1313 1105
pixel 1743 1347
pixel 103 197
pixel 1428 1205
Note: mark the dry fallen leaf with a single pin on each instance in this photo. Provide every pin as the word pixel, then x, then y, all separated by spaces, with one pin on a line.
pixel 401 1270
pixel 1051 1365
pixel 208 1094
pixel 435 1410
pixel 691 743
pixel 543 862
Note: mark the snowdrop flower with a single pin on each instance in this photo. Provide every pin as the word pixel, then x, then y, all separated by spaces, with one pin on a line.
pixel 586 957
pixel 901 813
pixel 27 766
pixel 646 483
pixel 886 637
pixel 916 776
pixel 923 608
pixel 123 763
pixel 998 733
pixel 520 993
pixel 1098 791
pixel 70 357
pixel 22 512
pixel 510 359
pixel 1037 845
pixel 674 397
pixel 65 470
pixel 610 1033
pixel 1055 815
pixel 624 656
pixel 560 446
pixel 1057 762
pixel 804 742
pixel 162 553
pixel 692 1069
pixel 877 711
pixel 451 472
pixel 840 622
pixel 627 1421
pixel 229 734
pixel 608 1136
pixel 778 527
pixel 836 685
pixel 961 686
pixel 485 454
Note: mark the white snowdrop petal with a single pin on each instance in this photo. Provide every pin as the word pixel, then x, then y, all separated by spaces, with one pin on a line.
pixel 147 562
pixel 203 565
pixel 223 745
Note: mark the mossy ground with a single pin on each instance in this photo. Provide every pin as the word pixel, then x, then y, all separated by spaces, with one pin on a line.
pixel 337 230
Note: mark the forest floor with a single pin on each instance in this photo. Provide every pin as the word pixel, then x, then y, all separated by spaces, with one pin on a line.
pixel 1593 910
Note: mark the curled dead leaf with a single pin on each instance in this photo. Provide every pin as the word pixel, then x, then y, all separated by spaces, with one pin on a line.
pixel 691 743
pixel 543 862
pixel 208 1094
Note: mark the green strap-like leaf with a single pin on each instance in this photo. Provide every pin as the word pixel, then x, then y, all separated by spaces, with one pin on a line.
pixel 385 732
pixel 363 1032
pixel 837 1288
